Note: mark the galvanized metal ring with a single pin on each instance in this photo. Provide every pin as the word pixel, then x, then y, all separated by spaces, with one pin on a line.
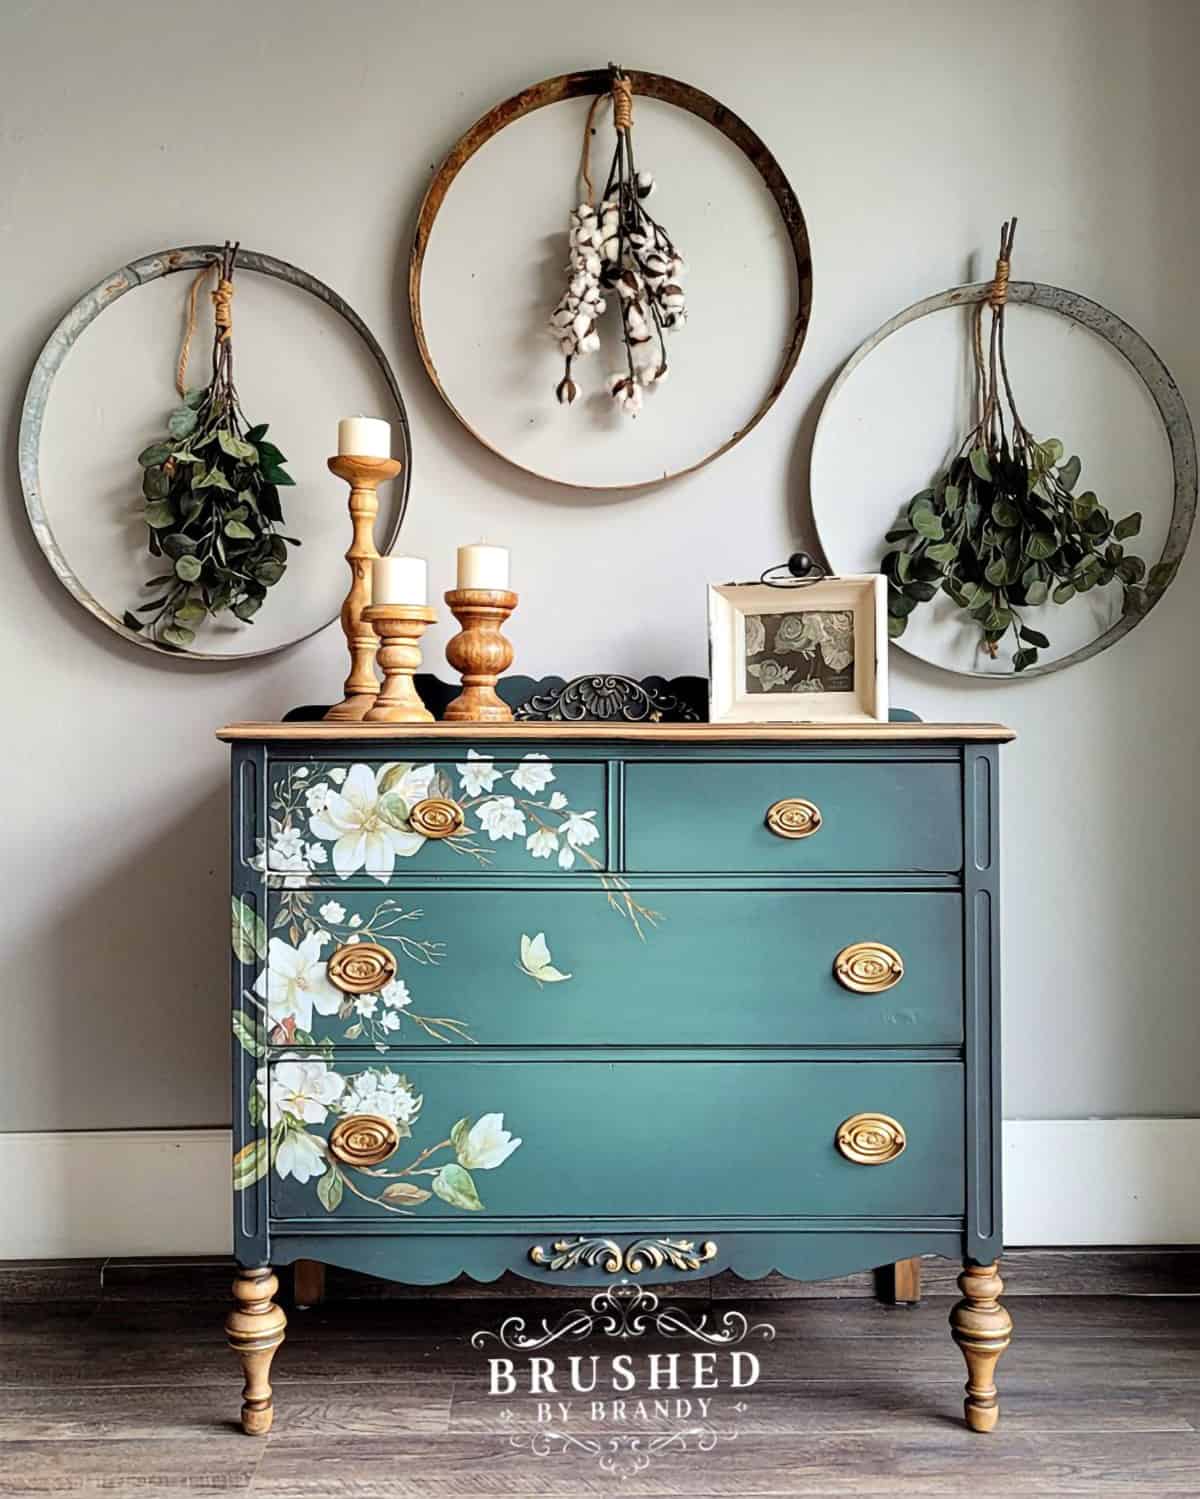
pixel 63 340
pixel 1144 362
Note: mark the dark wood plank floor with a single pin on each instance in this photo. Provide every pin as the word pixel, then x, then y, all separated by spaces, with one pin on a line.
pixel 1100 1397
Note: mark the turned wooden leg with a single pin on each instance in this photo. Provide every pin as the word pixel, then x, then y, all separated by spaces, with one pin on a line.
pixel 308 1283
pixel 983 1330
pixel 255 1329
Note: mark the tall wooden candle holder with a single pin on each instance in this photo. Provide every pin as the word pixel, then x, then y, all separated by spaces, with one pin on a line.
pixel 364 476
pixel 399 627
pixel 479 653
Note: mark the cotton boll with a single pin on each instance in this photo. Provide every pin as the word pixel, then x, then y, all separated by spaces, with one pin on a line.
pixel 591 263
pixel 566 391
pixel 589 343
pixel 645 184
pixel 677 268
pixel 585 213
pixel 581 325
pixel 672 297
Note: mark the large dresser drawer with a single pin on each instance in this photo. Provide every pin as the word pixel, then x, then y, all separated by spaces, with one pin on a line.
pixel 389 819
pixel 892 816
pixel 565 967
pixel 611 1139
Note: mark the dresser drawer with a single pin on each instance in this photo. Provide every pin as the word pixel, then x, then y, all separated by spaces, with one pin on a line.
pixel 386 819
pixel 610 1139
pixel 719 968
pixel 892 816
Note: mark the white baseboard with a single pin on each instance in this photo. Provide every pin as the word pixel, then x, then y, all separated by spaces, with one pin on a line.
pixel 166 1192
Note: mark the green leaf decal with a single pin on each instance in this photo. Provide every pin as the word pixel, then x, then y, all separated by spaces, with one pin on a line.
pixel 329 1189
pixel 453 1184
pixel 250 1165
pixel 980 464
pixel 248 1035
pixel 249 932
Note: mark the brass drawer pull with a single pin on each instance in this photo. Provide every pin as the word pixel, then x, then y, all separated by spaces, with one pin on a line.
pixel 437 817
pixel 360 967
pixel 871 1139
pixel 363 1139
pixel 868 967
pixel 794 818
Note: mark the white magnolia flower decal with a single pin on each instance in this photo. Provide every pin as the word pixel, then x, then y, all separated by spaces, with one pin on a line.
pixel 580 829
pixel 300 1155
pixel 384 1093
pixel 333 911
pixel 355 920
pixel 304 1090
pixel 557 801
pixel 390 1020
pixel 478 774
pixel 532 777
pixel 295 983
pixel 289 844
pixel 486 1144
pixel 501 817
pixel 337 775
pixel 356 819
pixel 316 853
pixel 395 994
pixel 542 843
pixel 367 1004
pixel 302 773
pixel 315 796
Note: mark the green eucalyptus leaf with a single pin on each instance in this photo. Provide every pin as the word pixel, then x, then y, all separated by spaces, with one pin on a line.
pixel 1128 526
pixel 236 447
pixel 178 635
pixel 1068 473
pixel 159 514
pixel 1064 593
pixel 156 453
pixel 899 604
pixel 1037 592
pixel 928 524
pixel 156 483
pixel 212 478
pixel 1024 658
pixel 182 422
pixel 247 608
pixel 194 398
pixel 952 495
pixel 943 551
pixel 996 572
pixel 979 463
pixel 896 626
pixel 237 530
pixel 188 568
pixel 1040 545
pixel 1005 513
pixel 132 622
pixel 1033 637
pixel 191 612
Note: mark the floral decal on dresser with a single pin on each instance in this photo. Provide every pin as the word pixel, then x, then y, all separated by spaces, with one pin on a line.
pixel 347 820
pixel 301 1092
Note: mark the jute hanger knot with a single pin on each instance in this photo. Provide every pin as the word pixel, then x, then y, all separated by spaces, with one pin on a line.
pixel 622 97
pixel 998 293
pixel 222 300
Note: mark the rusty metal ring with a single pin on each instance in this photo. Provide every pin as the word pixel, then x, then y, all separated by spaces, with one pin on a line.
pixel 63 340
pixel 651 86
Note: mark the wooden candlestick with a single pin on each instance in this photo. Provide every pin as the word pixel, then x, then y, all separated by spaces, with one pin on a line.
pixel 479 653
pixel 399 627
pixel 364 476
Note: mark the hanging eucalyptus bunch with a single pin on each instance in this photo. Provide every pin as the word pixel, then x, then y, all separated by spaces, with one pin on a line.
pixel 618 249
pixel 1005 525
pixel 211 491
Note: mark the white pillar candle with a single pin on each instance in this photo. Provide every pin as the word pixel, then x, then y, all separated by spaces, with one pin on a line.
pixel 399 580
pixel 364 437
pixel 482 566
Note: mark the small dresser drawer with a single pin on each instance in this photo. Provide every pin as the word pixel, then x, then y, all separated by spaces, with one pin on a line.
pixel 565 968
pixel 776 817
pixel 387 819
pixel 416 1139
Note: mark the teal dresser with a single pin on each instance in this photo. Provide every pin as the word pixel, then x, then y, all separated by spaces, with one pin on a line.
pixel 594 1003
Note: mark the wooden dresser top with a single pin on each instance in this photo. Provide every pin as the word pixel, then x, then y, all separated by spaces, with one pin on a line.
pixel 692 733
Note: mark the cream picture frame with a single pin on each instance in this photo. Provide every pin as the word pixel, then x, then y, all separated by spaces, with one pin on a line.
pixel 768 663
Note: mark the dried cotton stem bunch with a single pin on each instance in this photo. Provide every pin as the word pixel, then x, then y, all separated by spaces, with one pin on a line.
pixel 621 248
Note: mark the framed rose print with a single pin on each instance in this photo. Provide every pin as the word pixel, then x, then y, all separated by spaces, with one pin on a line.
pixel 810 654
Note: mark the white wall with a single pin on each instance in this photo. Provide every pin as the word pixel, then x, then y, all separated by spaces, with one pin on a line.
pixel 310 131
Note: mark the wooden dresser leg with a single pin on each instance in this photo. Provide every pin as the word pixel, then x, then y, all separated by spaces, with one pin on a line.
pixel 983 1330
pixel 255 1329
pixel 308 1283
pixel 900 1283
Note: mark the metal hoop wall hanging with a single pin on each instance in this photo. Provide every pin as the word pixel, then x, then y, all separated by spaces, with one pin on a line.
pixel 1141 358
pixel 62 341
pixel 652 86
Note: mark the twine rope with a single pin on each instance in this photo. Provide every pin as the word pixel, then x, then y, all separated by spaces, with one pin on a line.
pixel 998 294
pixel 185 347
pixel 222 300
pixel 621 94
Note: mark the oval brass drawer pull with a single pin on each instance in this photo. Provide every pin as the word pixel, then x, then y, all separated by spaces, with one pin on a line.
pixel 363 1139
pixel 871 1139
pixel 868 967
pixel 360 967
pixel 437 817
pixel 794 818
